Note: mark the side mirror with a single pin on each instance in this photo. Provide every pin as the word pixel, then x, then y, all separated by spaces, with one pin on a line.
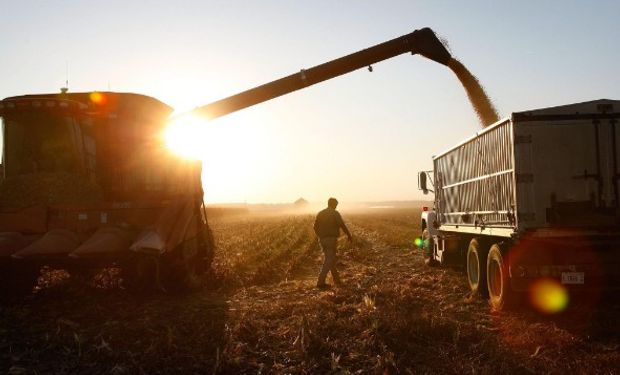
pixel 422 182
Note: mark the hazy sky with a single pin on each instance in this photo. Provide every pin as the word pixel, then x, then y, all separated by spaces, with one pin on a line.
pixel 359 137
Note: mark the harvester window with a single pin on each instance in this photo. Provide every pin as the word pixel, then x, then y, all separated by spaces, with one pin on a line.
pixel 89 146
pixel 40 142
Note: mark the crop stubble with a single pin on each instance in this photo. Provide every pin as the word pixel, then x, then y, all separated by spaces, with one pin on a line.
pixel 263 314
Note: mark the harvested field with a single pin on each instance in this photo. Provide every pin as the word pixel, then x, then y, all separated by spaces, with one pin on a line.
pixel 262 314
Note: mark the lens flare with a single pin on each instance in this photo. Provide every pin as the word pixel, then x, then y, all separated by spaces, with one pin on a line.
pixel 97 98
pixel 418 242
pixel 549 296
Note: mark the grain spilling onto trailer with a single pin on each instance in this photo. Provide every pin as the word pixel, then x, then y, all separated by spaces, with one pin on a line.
pixel 479 99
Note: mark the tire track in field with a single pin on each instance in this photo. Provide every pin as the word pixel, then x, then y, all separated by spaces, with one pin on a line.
pixel 238 255
pixel 284 323
pixel 370 259
pixel 235 236
pixel 275 268
pixel 299 267
pixel 392 232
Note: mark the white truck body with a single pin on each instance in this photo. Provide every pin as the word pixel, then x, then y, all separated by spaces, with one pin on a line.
pixel 546 170
pixel 544 182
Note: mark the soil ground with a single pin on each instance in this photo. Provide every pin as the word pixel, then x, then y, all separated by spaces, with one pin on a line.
pixel 261 313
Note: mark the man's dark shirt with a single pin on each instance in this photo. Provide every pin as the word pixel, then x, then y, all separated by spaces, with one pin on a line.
pixel 328 224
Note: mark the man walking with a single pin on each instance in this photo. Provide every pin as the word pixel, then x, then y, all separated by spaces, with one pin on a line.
pixel 327 227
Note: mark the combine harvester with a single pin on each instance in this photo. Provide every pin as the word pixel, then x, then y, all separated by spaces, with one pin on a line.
pixel 88 182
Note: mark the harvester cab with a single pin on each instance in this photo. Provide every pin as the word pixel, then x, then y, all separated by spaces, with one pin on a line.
pixel 88 181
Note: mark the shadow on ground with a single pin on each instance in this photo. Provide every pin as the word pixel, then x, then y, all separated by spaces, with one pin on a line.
pixel 65 331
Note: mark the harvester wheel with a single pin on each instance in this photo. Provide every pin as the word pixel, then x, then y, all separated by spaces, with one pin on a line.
pixel 17 281
pixel 178 271
pixel 182 269
pixel 501 295
pixel 140 274
pixel 477 268
pixel 208 248
pixel 81 275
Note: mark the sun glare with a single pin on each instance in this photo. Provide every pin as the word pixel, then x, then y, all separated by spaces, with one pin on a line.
pixel 235 151
pixel 186 136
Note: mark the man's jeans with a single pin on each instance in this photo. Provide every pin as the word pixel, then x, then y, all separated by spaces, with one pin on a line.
pixel 329 244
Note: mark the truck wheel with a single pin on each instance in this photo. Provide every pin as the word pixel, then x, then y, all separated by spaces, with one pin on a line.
pixel 427 248
pixel 501 296
pixel 476 268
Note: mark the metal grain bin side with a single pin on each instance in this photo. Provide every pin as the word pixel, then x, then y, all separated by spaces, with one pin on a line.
pixel 475 183
pixel 566 162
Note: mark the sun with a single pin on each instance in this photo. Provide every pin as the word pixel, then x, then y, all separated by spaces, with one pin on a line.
pixel 236 152
pixel 186 136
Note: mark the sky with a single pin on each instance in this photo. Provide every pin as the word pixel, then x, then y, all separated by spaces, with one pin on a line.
pixel 359 137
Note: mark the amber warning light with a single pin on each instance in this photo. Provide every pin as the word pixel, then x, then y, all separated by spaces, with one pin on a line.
pixel 98 98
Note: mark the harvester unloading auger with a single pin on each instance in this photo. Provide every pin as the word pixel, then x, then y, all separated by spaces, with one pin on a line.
pixel 88 183
pixel 423 42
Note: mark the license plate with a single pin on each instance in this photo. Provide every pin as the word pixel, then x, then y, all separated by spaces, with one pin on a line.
pixel 573 277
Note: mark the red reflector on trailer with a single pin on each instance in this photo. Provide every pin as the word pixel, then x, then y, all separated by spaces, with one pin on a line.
pixel 424 208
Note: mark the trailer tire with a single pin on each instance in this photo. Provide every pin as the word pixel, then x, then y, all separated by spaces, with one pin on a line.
pixel 476 265
pixel 427 248
pixel 501 295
